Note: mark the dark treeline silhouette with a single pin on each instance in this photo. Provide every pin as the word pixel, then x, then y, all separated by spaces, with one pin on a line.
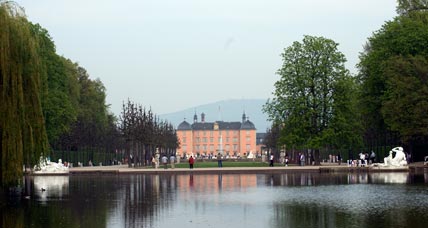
pixel 94 135
pixel 145 134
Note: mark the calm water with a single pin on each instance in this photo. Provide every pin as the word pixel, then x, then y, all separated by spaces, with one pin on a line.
pixel 283 200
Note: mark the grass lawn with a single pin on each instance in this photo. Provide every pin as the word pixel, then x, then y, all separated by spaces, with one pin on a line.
pixel 213 164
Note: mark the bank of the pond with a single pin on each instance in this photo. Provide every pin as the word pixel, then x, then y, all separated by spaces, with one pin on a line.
pixel 324 168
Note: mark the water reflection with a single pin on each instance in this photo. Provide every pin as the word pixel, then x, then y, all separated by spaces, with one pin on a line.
pixel 247 200
pixel 52 186
pixel 390 178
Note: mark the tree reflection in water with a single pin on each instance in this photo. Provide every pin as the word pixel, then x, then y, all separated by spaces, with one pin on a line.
pixel 279 200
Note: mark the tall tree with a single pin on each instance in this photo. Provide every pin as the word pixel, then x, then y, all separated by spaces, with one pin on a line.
pixel 407 6
pixel 405 102
pixel 22 129
pixel 60 92
pixel 143 132
pixel 392 63
pixel 307 92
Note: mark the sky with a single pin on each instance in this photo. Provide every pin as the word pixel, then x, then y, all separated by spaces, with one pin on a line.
pixel 176 54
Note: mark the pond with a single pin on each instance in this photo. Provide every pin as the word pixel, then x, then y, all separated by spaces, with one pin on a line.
pixel 235 200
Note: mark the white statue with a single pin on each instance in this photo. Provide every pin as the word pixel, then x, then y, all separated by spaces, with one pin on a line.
pixel 398 160
pixel 388 160
pixel 46 166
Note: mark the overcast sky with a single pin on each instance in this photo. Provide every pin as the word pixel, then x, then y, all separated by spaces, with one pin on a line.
pixel 176 54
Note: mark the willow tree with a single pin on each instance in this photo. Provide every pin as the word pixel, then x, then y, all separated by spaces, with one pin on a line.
pixel 22 130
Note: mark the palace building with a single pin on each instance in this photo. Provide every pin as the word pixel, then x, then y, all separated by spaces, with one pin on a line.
pixel 231 139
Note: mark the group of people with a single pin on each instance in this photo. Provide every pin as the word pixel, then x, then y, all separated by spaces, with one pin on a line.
pixel 301 160
pixel 364 159
pixel 164 160
pixel 219 161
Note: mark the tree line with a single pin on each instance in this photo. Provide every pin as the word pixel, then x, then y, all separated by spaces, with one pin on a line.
pixel 50 107
pixel 318 105
pixel 145 135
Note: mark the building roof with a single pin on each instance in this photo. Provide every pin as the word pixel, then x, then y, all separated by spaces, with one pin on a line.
pixel 248 125
pixel 203 126
pixel 221 125
pixel 229 125
pixel 184 126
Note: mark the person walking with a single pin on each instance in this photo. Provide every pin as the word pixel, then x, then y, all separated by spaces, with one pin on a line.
pixel 372 157
pixel 286 160
pixel 302 160
pixel 165 161
pixel 154 162
pixel 191 162
pixel 172 161
pixel 339 159
pixel 271 160
pixel 219 160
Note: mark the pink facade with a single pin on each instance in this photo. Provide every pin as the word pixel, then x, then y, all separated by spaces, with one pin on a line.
pixel 232 139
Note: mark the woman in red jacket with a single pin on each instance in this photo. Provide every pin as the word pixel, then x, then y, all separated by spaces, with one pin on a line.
pixel 191 162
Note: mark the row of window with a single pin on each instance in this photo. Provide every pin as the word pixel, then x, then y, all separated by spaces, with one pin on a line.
pixel 205 147
pixel 211 133
pixel 205 139
pixel 204 133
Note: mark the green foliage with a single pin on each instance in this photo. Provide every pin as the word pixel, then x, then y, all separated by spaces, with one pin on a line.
pixel 59 93
pixel 408 6
pixel 405 103
pixel 392 88
pixel 345 127
pixel 45 97
pixel 310 97
pixel 22 129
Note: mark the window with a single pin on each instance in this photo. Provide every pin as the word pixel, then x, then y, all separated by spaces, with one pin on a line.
pixel 235 139
pixel 184 140
pixel 204 139
pixel 248 139
pixel 248 132
pixel 248 147
pixel 227 139
pixel 184 147
pixel 211 139
pixel 227 133
pixel 235 147
pixel 211 133
pixel 227 147
pixel 211 147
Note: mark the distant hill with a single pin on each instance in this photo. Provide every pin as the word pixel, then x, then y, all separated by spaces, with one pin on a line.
pixel 227 110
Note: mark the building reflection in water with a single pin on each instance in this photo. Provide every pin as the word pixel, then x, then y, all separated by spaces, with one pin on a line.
pixel 289 199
